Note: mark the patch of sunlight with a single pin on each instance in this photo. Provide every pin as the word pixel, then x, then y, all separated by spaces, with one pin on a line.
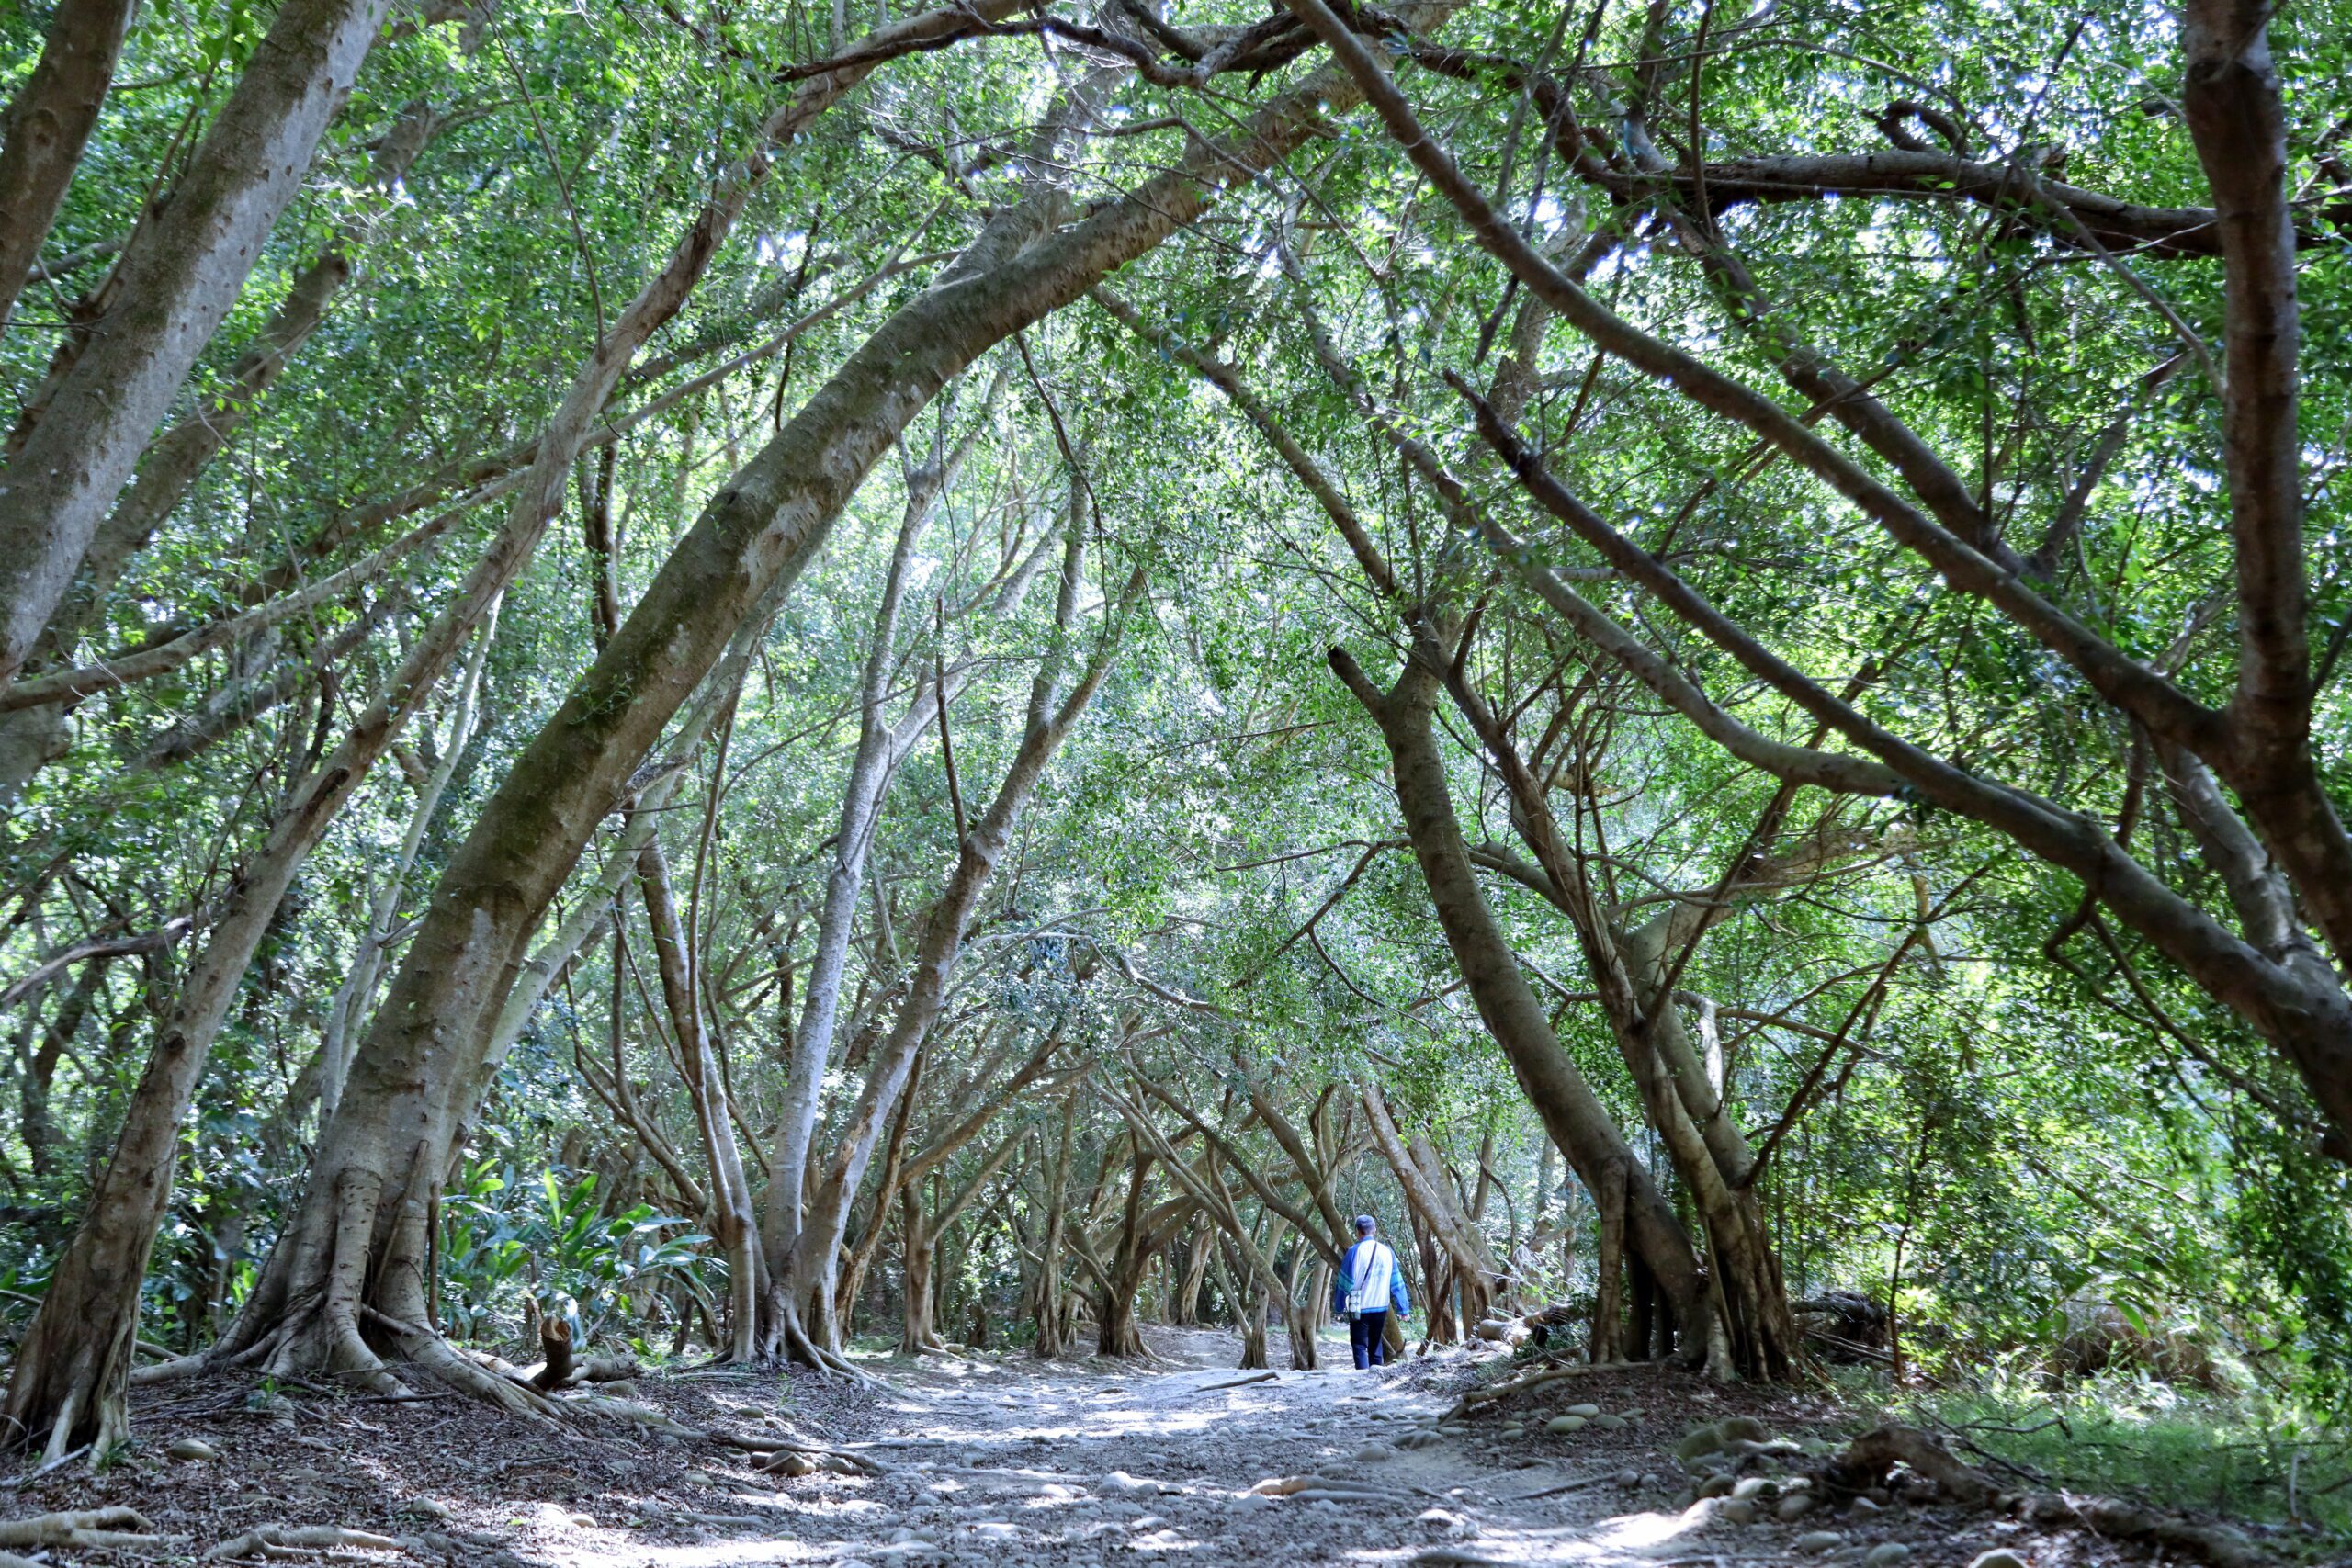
pixel 1647 1533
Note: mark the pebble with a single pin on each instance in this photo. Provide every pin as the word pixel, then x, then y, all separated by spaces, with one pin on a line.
pixel 426 1508
pixel 1610 1423
pixel 1864 1505
pixel 1715 1486
pixel 1999 1557
pixel 585 1521
pixel 1515 1430
pixel 1565 1423
pixel 1374 1453
pixel 1750 1485
pixel 1633 1415
pixel 1794 1506
pixel 193 1448
pixel 1251 1501
pixel 1815 1541
pixel 1736 1511
pixel 1629 1478
pixel 1586 1411
pixel 1886 1554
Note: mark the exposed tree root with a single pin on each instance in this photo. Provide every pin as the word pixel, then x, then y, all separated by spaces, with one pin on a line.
pixel 300 1541
pixel 167 1371
pixel 779 1450
pixel 1239 1383
pixel 2217 1544
pixel 512 1394
pixel 90 1530
pixel 1478 1396
pixel 1870 1457
pixel 632 1410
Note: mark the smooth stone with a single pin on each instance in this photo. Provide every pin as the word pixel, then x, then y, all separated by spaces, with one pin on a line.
pixel 192 1449
pixel 1750 1485
pixel 1715 1486
pixel 1565 1423
pixel 1252 1502
pixel 1610 1423
pixel 426 1508
pixel 1629 1478
pixel 1815 1542
pixel 1699 1442
pixel 1886 1554
pixel 1865 1505
pixel 1736 1511
pixel 1586 1411
pixel 1998 1557
pixel 1794 1506
pixel 1374 1453
pixel 1635 1414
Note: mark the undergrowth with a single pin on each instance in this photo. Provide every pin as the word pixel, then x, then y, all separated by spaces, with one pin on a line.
pixel 2233 1455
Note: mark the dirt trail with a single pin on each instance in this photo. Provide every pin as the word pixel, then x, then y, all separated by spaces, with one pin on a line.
pixel 1003 1461
pixel 1009 1461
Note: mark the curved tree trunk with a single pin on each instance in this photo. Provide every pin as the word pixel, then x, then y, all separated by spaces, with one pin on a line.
pixel 1574 1115
pixel 356 1242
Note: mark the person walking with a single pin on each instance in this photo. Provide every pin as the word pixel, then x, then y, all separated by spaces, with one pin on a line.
pixel 1368 1288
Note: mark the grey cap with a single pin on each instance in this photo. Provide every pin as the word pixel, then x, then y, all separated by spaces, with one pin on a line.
pixel 1364 1224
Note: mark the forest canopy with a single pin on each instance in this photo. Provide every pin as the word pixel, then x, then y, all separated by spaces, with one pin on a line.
pixel 744 677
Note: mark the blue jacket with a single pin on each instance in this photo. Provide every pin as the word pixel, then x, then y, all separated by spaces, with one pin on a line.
pixel 1343 1281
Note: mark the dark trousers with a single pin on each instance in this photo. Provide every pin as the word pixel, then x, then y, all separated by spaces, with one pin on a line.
pixel 1365 1338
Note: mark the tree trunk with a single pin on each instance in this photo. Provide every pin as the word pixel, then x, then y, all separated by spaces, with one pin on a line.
pixel 1608 1339
pixel 1051 1341
pixel 354 1241
pixel 176 281
pixel 179 456
pixel 38 1129
pixel 71 1371
pixel 48 124
pixel 916 1337
pixel 1574 1115
pixel 730 1194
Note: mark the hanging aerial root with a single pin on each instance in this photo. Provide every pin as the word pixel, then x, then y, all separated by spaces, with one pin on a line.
pixel 91 1530
pixel 1870 1457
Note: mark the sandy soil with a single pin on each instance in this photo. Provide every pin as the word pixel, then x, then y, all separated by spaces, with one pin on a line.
pixel 1006 1460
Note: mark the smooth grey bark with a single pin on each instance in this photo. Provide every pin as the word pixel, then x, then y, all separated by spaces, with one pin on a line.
pixel 176 281
pixel 358 992
pixel 179 456
pixel 731 1195
pixel 48 124
pixel 881 747
pixel 1052 713
pixel 355 1241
